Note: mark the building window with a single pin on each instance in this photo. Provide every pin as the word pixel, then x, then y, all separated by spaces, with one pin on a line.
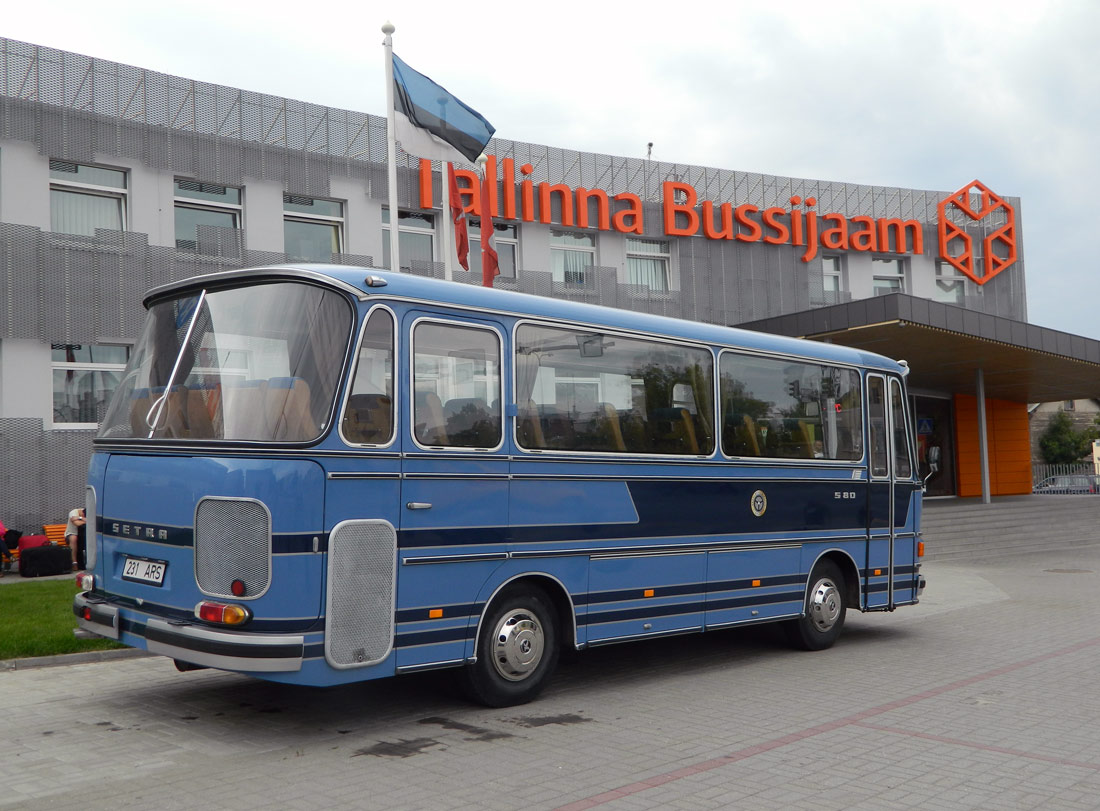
pixel 572 257
pixel 833 279
pixel 312 228
pixel 889 276
pixel 950 285
pixel 84 378
pixel 84 199
pixel 647 263
pixel 1069 405
pixel 415 238
pixel 204 204
pixel 505 240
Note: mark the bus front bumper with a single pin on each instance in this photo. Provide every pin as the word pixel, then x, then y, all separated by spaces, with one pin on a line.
pixel 192 642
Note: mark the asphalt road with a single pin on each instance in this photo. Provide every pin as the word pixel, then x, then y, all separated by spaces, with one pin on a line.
pixel 985 696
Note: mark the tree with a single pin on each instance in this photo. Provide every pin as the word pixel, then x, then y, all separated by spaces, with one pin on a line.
pixel 1061 443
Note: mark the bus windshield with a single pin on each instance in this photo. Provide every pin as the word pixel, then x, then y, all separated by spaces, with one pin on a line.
pixel 258 363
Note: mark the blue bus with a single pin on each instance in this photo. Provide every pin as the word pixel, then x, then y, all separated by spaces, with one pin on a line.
pixel 320 474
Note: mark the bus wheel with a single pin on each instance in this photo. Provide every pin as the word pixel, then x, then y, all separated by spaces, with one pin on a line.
pixel 823 619
pixel 517 649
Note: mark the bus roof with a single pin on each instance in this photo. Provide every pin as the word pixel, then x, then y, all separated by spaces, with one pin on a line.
pixel 408 287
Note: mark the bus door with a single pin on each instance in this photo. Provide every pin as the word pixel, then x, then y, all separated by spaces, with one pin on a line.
pixel 454 493
pixel 891 488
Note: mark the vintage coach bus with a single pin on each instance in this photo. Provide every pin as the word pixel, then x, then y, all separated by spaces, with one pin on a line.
pixel 322 474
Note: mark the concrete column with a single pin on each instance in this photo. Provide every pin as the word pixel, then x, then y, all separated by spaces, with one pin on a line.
pixel 983 437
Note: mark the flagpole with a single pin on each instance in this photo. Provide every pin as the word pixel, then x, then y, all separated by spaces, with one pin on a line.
pixel 449 250
pixel 391 149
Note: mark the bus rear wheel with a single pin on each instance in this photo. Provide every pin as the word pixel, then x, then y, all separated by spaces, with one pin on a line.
pixel 823 617
pixel 517 649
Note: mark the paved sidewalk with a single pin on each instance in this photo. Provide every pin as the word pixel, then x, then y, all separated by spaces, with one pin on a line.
pixel 983 697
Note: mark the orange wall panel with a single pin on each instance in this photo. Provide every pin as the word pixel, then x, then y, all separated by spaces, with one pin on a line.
pixel 1009 447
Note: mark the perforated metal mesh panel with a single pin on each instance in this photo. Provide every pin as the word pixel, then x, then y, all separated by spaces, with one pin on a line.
pixel 362 560
pixel 232 542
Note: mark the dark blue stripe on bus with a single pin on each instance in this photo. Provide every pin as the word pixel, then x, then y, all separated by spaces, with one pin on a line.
pixel 666 610
pixel 449 612
pixel 617 596
pixel 282 543
pixel 675 508
pixel 755 599
pixel 408 640
pixel 764 582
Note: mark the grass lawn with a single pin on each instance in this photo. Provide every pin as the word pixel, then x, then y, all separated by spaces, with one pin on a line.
pixel 36 619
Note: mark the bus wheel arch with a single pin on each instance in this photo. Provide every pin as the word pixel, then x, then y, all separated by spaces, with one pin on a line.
pixel 517 645
pixel 827 599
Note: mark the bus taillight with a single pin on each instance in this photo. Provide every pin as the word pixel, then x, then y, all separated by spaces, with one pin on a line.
pixel 222 613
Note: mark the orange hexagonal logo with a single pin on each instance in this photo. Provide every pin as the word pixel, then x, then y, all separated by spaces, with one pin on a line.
pixel 977 202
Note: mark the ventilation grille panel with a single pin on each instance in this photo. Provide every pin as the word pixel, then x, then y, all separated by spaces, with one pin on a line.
pixel 232 542
pixel 362 560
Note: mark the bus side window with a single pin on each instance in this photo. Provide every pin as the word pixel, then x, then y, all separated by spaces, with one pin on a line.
pixel 456 376
pixel 369 416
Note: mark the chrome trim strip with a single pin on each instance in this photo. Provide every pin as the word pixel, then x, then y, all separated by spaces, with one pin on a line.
pixel 616 640
pixel 470 558
pixel 430 666
pixel 275 271
pixel 754 621
pixel 336 475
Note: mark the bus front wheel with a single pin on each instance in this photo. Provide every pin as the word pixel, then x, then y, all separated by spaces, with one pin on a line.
pixel 517 649
pixel 823 617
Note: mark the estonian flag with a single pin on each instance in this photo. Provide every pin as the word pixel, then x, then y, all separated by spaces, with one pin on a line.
pixel 431 123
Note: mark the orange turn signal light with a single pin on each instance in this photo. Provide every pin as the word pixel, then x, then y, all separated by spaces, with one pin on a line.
pixel 920 549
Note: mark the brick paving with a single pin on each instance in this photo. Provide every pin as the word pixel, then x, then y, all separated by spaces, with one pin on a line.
pixel 984 696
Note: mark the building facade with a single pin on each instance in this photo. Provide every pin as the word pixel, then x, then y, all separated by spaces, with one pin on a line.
pixel 115 179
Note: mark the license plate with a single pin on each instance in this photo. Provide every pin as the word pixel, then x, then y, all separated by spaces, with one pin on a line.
pixel 144 570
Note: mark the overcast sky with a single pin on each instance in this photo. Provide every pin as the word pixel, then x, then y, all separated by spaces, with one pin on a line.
pixel 925 95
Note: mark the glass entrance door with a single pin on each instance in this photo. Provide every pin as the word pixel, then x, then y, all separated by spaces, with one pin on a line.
pixel 935 445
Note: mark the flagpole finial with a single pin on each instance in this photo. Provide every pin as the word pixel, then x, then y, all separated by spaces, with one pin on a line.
pixel 387 28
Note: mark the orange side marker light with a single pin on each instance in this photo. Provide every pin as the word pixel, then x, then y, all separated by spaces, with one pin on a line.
pixel 920 549
pixel 647 593
pixel 435 613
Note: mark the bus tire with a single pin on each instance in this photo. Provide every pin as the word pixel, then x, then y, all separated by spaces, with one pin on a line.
pixel 823 617
pixel 517 649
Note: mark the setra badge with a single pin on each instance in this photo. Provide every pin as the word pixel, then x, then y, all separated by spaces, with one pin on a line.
pixel 758 503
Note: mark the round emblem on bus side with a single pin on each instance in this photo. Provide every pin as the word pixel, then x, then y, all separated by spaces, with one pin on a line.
pixel 758 503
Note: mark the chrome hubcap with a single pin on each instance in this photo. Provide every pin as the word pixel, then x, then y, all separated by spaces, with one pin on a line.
pixel 517 645
pixel 825 604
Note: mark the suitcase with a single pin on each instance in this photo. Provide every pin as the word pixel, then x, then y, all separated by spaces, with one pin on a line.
pixel 30 541
pixel 44 561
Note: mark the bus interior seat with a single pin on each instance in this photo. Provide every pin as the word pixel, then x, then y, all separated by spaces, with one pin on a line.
pixel 287 409
pixel 557 426
pixel 529 427
pixel 678 430
pixel 244 415
pixel 468 422
pixel 611 432
pixel 203 410
pixel 368 418
pixel 430 427
pixel 752 447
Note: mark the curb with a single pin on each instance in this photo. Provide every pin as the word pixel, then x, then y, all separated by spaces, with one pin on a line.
pixel 9 665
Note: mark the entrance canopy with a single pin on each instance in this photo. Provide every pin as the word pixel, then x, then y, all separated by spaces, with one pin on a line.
pixel 947 346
